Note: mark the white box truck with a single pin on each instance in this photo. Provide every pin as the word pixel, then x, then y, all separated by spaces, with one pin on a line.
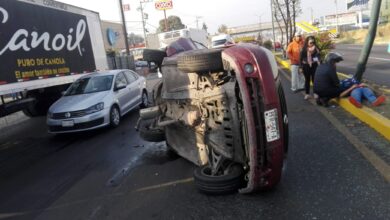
pixel 162 40
pixel 44 46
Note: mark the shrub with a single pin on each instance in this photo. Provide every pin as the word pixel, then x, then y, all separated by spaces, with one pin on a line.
pixel 324 43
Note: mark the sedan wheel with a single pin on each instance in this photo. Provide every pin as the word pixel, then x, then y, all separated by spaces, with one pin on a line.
pixel 115 117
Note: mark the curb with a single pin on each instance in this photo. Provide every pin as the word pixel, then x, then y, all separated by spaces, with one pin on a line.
pixel 365 114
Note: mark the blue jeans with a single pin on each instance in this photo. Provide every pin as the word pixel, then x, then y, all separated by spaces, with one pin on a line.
pixel 359 93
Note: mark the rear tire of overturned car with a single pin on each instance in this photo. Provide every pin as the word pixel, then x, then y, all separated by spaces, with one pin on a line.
pixel 217 185
pixel 200 61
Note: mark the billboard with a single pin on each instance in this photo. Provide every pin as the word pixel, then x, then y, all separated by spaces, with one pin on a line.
pixel 40 42
pixel 163 4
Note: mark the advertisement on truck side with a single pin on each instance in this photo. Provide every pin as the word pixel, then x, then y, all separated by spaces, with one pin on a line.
pixel 41 42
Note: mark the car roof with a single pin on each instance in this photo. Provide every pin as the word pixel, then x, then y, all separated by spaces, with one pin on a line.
pixel 105 73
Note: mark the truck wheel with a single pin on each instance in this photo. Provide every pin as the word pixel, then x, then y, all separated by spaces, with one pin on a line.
pixel 149 133
pixel 228 182
pixel 156 56
pixel 200 61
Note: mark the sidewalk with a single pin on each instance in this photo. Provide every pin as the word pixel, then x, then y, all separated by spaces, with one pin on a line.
pixel 377 118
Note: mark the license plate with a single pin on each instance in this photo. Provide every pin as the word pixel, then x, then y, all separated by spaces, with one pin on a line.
pixel 67 123
pixel 271 125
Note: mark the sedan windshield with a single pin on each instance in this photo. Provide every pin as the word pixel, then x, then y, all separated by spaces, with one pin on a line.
pixel 90 85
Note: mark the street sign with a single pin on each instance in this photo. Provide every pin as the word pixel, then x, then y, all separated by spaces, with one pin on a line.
pixel 126 7
pixel 163 4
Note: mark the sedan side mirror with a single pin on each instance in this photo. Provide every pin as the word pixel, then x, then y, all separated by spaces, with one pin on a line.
pixel 119 87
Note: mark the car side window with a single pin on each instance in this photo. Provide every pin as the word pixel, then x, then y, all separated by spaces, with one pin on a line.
pixel 120 80
pixel 130 77
pixel 135 75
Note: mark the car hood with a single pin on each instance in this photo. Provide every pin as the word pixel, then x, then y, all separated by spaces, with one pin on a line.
pixel 77 102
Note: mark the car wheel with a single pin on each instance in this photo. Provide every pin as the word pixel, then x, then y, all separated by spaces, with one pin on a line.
pixel 115 116
pixel 228 182
pixel 144 100
pixel 200 61
pixel 156 56
pixel 150 133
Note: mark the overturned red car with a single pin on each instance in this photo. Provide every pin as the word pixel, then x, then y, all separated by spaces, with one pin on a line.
pixel 222 109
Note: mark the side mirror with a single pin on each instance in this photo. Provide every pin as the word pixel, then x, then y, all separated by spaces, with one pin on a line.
pixel 119 87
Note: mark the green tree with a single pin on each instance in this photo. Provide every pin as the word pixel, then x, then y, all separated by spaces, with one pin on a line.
pixel 174 23
pixel 134 39
pixel 222 29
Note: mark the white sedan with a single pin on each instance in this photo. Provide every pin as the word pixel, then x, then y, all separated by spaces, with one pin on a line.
pixel 96 100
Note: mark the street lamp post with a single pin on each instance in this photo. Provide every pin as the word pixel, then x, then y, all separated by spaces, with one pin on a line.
pixel 337 17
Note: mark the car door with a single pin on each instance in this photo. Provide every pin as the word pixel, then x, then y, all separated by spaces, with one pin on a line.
pixel 135 87
pixel 122 92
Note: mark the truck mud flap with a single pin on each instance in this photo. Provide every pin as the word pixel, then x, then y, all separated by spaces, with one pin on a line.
pixel 15 106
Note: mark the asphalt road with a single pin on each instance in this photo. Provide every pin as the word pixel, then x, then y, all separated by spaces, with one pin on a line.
pixel 112 174
pixel 378 64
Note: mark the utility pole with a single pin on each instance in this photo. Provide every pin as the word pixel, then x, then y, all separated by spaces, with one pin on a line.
pixel 365 53
pixel 272 20
pixel 197 21
pixel 124 28
pixel 143 21
pixel 337 18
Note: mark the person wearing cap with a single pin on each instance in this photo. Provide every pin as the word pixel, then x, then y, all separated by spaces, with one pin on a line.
pixel 326 81
pixel 293 52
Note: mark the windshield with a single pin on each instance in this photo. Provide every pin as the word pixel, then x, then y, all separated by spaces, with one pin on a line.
pixel 90 85
pixel 219 42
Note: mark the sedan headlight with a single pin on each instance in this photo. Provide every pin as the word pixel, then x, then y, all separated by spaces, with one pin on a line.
pixel 95 108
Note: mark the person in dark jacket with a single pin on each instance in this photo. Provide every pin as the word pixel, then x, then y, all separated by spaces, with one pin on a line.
pixel 309 59
pixel 326 81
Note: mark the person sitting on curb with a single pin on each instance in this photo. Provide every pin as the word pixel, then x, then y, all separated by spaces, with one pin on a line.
pixel 360 92
pixel 326 81
pixel 293 52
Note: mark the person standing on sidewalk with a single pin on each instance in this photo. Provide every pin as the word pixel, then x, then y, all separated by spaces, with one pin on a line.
pixel 293 52
pixel 309 59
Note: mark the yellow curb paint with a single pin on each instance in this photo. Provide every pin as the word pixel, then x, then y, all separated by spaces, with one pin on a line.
pixel 368 116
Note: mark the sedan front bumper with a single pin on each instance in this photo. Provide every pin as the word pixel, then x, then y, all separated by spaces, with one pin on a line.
pixel 76 124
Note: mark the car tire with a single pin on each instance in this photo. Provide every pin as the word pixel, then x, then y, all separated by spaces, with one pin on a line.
pixel 156 56
pixel 144 100
pixel 115 116
pixel 218 185
pixel 200 61
pixel 150 134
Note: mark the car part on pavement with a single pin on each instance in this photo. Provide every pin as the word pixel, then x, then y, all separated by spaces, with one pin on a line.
pixel 149 132
pixel 200 61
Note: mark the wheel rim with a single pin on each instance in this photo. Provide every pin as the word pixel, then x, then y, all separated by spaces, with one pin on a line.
pixel 115 116
pixel 144 99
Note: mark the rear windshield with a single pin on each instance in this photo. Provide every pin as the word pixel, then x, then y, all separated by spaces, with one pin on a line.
pixel 90 85
pixel 219 42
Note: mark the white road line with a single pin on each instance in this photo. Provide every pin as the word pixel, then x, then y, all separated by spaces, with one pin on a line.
pixel 379 58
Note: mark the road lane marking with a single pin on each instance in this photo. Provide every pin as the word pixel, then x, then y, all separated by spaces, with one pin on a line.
pixel 172 183
pixel 379 58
